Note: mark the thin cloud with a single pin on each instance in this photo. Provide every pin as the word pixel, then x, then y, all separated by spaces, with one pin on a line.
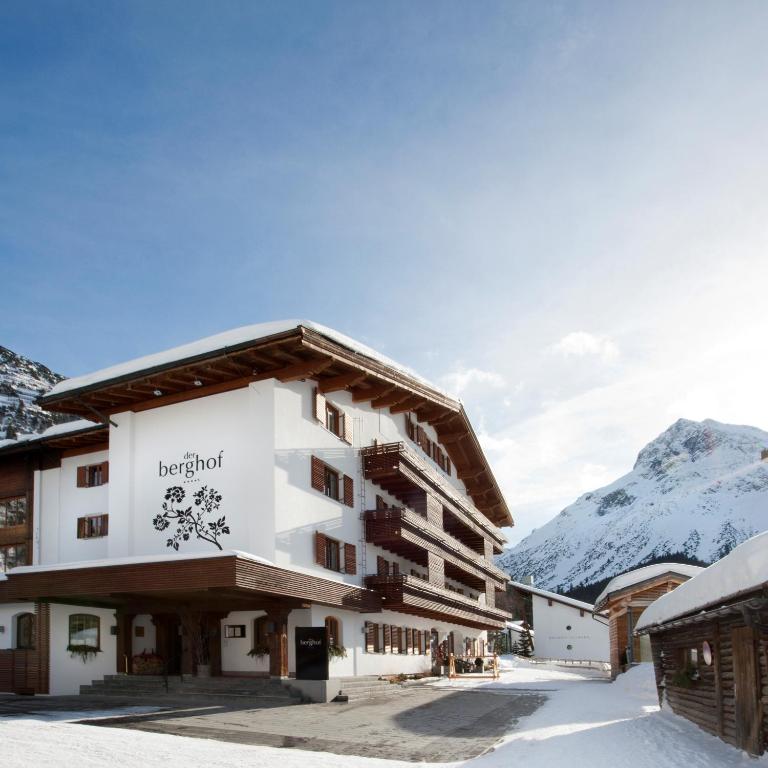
pixel 583 344
pixel 461 380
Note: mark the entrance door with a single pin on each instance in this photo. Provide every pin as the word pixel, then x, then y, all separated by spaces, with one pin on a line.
pixel 169 642
pixel 745 679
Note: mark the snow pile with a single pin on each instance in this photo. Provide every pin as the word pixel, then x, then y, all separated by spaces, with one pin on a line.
pixel 222 341
pixel 697 491
pixel 639 575
pixel 743 570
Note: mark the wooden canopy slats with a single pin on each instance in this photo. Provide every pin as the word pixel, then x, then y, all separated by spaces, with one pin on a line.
pixel 289 355
pixel 182 580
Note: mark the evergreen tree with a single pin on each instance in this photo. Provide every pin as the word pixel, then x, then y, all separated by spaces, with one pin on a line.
pixel 516 648
pixel 526 641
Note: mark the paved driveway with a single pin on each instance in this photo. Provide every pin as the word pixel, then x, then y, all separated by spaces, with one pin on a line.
pixel 422 724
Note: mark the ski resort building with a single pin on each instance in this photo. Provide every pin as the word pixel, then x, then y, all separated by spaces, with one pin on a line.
pixel 564 628
pixel 709 640
pixel 624 599
pixel 274 477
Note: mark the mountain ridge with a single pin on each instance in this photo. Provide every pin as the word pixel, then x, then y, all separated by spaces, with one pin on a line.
pixel 695 491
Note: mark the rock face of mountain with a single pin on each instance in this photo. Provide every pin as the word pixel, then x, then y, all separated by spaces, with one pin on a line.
pixel 21 382
pixel 696 491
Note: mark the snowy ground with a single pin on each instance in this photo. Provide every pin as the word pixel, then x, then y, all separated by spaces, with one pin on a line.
pixel 586 723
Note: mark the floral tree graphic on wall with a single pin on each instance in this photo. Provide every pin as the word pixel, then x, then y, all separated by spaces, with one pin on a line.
pixel 192 520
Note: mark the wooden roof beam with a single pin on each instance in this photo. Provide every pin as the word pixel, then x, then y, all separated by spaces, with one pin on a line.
pixel 359 394
pixel 335 383
pixel 407 405
pixel 390 399
pixel 301 370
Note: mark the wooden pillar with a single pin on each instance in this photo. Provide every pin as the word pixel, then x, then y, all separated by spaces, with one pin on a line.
pixel 278 642
pixel 43 645
pixel 717 669
pixel 124 654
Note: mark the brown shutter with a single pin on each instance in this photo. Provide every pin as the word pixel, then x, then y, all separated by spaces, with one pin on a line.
pixel 408 640
pixel 104 472
pixel 387 639
pixel 80 526
pixel 382 566
pixel 318 474
pixel 105 525
pixel 349 491
pixel 350 558
pixel 347 427
pixel 409 428
pixel 319 406
pixel 82 477
pixel 320 548
pixel 370 635
pixel 395 569
pixel 447 465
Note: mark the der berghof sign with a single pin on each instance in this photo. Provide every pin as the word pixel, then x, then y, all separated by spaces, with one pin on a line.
pixel 311 653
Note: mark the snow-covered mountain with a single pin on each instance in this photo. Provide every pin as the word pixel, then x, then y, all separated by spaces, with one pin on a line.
pixel 697 490
pixel 21 382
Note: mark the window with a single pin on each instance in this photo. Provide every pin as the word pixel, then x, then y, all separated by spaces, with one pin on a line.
pixel 13 511
pixel 332 419
pixel 333 628
pixel 25 631
pixel 335 555
pixel 84 630
pixel 93 475
pixel 331 480
pixel 12 555
pixel 332 483
pixel 234 630
pixel 430 447
pixel 92 527
pixel 332 554
pixel 262 632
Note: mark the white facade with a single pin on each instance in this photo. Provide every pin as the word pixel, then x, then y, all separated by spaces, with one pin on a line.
pixel 251 448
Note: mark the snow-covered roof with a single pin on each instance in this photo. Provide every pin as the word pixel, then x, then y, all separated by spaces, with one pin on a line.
pixel 640 575
pixel 553 596
pixel 222 341
pixel 57 430
pixel 517 626
pixel 742 571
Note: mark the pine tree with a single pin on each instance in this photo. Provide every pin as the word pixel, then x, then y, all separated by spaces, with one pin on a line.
pixel 516 648
pixel 526 641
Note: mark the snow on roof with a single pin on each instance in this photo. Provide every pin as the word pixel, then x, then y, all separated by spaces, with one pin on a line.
pixel 639 575
pixel 517 626
pixel 744 570
pixel 220 341
pixel 137 559
pixel 56 430
pixel 553 596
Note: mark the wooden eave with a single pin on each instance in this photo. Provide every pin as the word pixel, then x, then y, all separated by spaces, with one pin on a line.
pixel 95 437
pixel 300 353
pixel 622 597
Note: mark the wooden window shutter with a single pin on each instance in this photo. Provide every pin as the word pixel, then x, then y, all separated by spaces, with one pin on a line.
pixel 82 477
pixel 320 548
pixel 370 636
pixel 382 566
pixel 318 474
pixel 447 465
pixel 105 525
pixel 409 640
pixel 104 472
pixel 319 406
pixel 395 569
pixel 349 491
pixel 81 522
pixel 387 639
pixel 350 558
pixel 347 427
pixel 409 428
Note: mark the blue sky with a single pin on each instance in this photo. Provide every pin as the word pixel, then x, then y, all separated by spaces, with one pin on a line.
pixel 557 209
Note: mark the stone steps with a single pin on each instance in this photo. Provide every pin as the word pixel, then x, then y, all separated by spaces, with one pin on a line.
pixel 361 688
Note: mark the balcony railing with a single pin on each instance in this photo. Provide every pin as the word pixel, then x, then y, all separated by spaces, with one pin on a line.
pixel 445 542
pixel 387 460
pixel 412 594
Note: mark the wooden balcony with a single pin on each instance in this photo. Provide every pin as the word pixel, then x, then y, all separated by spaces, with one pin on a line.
pixel 401 472
pixel 409 594
pixel 410 535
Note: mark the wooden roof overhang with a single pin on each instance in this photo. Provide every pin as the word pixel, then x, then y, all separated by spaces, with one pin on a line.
pixel 228 582
pixel 92 438
pixel 621 597
pixel 300 353
pixel 753 608
pixel 408 594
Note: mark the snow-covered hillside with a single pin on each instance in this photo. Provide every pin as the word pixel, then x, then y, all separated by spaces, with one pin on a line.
pixel 21 382
pixel 699 489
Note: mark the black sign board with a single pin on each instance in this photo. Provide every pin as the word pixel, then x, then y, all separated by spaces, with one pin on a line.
pixel 311 653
